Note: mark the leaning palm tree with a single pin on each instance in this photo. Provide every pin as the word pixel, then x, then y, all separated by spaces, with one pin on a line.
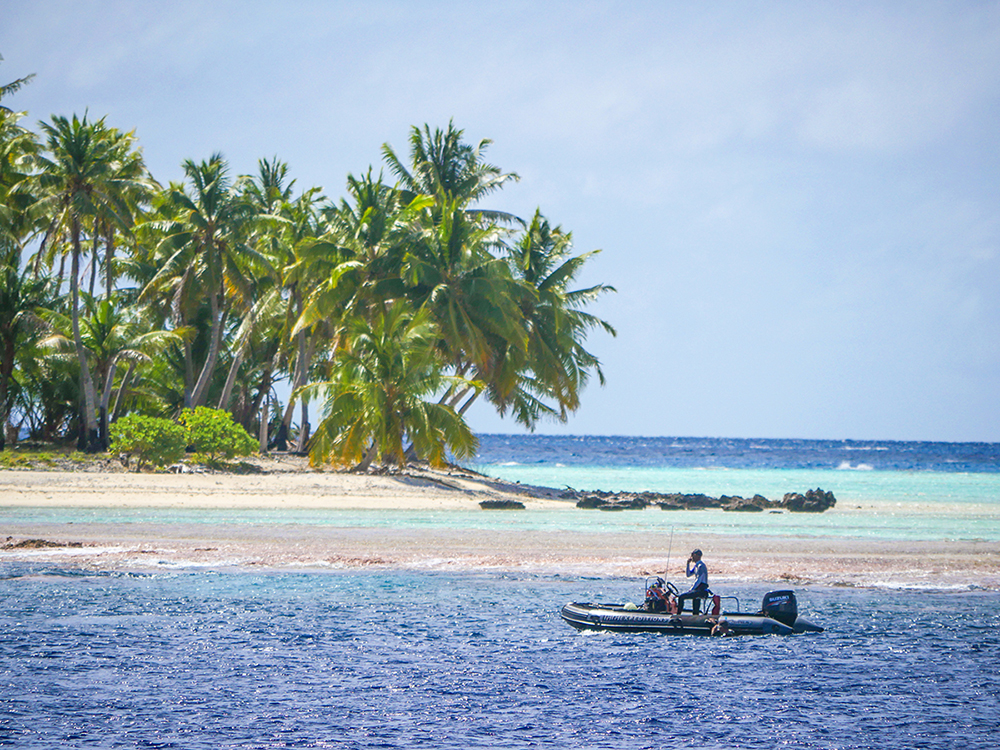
pixel 285 227
pixel 380 395
pixel 469 293
pixel 80 178
pixel 556 365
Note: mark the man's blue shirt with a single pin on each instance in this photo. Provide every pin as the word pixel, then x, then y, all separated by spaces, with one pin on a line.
pixel 700 570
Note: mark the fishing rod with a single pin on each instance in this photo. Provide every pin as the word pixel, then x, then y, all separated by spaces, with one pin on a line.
pixel 669 548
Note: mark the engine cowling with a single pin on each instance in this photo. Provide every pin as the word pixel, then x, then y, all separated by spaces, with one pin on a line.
pixel 780 606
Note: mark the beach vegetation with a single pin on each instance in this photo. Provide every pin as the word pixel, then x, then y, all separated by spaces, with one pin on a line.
pixel 139 440
pixel 213 433
pixel 230 305
pixel 20 458
pixel 381 395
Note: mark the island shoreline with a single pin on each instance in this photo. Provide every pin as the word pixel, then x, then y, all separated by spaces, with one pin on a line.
pixel 290 545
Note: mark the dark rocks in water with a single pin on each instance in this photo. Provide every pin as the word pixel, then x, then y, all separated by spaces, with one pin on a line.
pixel 814 501
pixel 501 505
pixel 739 505
pixel 696 501
pixel 755 504
pixel 614 501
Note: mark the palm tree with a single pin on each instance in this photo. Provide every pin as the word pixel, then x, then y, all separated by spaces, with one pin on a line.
pixel 111 334
pixel 286 228
pixel 378 397
pixel 207 257
pixel 18 148
pixel 446 168
pixel 137 189
pixel 469 293
pixel 556 364
pixel 80 178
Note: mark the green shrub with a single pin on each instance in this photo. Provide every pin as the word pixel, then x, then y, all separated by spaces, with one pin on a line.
pixel 213 432
pixel 148 440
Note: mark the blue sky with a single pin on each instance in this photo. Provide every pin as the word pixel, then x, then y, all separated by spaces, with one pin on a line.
pixel 797 202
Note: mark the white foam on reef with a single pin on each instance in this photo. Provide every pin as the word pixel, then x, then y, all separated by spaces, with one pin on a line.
pixel 847 466
pixel 59 552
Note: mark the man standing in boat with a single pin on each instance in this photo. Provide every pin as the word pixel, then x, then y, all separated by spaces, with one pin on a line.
pixel 695 567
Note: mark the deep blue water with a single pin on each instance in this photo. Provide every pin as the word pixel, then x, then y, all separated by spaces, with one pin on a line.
pixel 737 453
pixel 404 660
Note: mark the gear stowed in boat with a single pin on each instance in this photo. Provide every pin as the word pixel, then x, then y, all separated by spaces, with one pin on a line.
pixel 778 615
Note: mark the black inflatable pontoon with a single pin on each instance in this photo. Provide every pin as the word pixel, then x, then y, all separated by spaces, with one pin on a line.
pixel 778 616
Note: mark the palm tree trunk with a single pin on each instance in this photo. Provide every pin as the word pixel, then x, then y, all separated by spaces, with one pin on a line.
pixel 122 388
pixel 188 374
pixel 6 371
pixel 109 253
pixel 300 446
pixel 262 393
pixel 62 272
pixel 263 427
pixel 299 375
pixel 227 390
pixel 109 381
pixel 366 459
pixel 208 369
pixel 467 404
pixel 93 264
pixel 304 424
pixel 40 255
pixel 458 396
pixel 88 398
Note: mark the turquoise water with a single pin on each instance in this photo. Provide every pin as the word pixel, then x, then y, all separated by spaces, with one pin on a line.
pixel 916 521
pixel 883 491
pixel 871 504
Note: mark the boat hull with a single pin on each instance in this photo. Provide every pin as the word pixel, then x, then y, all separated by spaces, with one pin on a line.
pixel 616 618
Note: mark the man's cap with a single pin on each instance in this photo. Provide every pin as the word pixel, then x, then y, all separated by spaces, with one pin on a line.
pixel 696 552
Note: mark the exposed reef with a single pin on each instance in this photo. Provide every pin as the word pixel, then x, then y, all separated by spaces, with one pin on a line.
pixel 501 505
pixel 813 501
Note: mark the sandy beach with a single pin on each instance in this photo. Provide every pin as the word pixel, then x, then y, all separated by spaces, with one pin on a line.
pixel 289 485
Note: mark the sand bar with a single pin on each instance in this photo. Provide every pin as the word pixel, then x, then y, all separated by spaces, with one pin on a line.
pixel 143 546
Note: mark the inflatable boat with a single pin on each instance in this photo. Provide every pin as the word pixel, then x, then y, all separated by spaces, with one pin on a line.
pixel 778 615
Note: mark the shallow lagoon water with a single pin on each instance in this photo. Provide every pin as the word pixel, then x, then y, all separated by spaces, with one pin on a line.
pixel 402 660
pixel 914 521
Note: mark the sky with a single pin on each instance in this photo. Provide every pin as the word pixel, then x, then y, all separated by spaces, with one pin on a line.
pixel 797 202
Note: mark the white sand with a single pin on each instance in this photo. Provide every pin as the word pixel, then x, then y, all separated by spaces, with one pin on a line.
pixel 287 485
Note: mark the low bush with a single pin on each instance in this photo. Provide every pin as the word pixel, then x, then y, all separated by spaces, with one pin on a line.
pixel 214 433
pixel 147 440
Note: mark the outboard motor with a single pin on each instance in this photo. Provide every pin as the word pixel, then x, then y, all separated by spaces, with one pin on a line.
pixel 780 606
